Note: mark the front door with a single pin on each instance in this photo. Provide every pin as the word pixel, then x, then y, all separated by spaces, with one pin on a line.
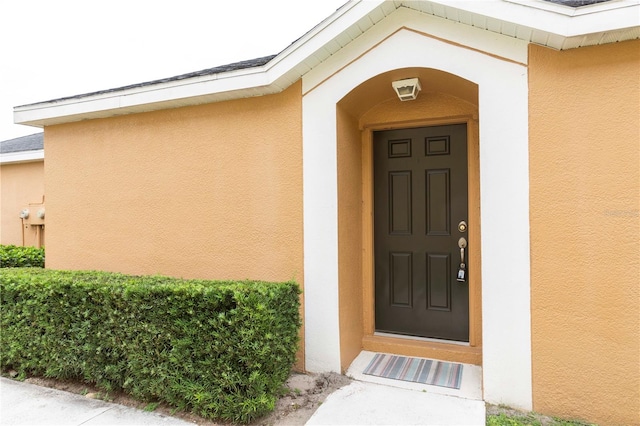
pixel 420 199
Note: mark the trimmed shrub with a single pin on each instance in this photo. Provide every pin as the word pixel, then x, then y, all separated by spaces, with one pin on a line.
pixel 220 349
pixel 21 257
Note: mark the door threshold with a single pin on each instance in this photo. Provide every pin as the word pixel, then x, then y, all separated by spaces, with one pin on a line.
pixel 421 339
pixel 424 348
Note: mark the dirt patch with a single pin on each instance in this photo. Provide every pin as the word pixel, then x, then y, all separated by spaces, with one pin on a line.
pixel 303 394
pixel 306 393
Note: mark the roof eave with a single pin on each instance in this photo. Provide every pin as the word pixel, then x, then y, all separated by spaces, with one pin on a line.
pixel 147 98
pixel 554 26
pixel 21 157
pixel 273 77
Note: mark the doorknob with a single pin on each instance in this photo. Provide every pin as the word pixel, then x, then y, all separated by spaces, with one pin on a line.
pixel 462 243
pixel 462 226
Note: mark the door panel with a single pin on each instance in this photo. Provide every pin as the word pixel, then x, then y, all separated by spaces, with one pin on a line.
pixel 420 195
pixel 400 212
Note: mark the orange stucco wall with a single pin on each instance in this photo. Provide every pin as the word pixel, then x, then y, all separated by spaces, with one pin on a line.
pixel 211 191
pixel 349 152
pixel 21 184
pixel 585 235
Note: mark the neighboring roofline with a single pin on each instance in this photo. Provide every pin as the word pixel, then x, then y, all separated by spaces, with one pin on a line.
pixel 21 157
pixel 22 149
pixel 535 21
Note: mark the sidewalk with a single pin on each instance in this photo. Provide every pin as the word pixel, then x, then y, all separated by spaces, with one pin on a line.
pixel 27 404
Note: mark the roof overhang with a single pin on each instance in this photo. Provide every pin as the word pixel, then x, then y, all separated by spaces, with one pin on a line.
pixel 21 157
pixel 534 21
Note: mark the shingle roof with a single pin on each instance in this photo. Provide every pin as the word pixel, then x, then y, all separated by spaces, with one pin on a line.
pixel 24 143
pixel 576 3
pixel 250 63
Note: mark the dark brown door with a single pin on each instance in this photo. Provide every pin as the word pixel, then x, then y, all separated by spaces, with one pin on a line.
pixel 420 197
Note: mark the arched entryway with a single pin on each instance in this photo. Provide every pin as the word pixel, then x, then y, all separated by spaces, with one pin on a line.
pixel 330 94
pixel 414 316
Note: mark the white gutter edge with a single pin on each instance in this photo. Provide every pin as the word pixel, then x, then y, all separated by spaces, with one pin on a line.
pixel 575 11
pixel 254 81
pixel 563 21
pixel 22 157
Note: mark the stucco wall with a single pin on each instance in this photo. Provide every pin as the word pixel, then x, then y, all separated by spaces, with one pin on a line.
pixel 585 180
pixel 211 191
pixel 20 185
pixel 349 152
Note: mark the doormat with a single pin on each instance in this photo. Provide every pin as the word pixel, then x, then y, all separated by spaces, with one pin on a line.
pixel 419 370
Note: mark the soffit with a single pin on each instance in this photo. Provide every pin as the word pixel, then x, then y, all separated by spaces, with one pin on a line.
pixel 533 21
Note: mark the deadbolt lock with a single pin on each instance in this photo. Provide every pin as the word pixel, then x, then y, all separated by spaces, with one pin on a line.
pixel 462 226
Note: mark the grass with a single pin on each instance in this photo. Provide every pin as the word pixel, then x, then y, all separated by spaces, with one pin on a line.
pixel 151 406
pixel 517 418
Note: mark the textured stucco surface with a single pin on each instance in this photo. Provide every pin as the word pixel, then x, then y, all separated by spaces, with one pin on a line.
pixel 211 191
pixel 585 238
pixel 349 158
pixel 20 185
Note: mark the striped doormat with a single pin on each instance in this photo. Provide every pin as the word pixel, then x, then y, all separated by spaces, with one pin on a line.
pixel 418 370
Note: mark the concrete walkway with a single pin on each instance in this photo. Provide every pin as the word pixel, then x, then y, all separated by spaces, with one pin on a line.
pixel 372 400
pixel 27 404
pixel 363 403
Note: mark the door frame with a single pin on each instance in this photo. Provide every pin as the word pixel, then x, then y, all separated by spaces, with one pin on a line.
pixel 404 345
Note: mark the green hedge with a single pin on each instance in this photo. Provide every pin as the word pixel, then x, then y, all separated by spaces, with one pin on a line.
pixel 219 349
pixel 19 257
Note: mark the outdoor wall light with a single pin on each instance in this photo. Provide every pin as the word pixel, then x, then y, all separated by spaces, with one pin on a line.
pixel 407 89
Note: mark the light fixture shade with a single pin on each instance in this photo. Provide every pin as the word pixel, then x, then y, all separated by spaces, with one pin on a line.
pixel 407 89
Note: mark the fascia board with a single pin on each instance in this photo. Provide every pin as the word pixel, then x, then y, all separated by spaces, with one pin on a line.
pixel 290 62
pixel 156 96
pixel 235 84
pixel 22 157
pixel 323 33
pixel 258 81
pixel 493 44
pixel 289 65
pixel 555 19
pixel 575 11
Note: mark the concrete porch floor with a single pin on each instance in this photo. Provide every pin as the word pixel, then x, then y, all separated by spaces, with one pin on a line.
pixel 372 400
